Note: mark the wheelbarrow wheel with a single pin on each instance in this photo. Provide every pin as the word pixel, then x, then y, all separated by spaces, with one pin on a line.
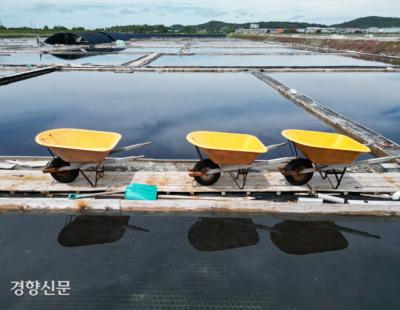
pixel 66 176
pixel 292 171
pixel 204 166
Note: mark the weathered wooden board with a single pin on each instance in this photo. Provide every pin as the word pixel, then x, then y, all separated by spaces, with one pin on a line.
pixel 271 182
pixel 36 181
pixel 380 145
pixel 196 207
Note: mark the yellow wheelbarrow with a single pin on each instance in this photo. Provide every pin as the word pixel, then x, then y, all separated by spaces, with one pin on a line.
pixel 74 150
pixel 326 153
pixel 228 152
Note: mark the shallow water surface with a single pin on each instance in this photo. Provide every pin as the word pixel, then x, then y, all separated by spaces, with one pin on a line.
pixel 193 263
pixel 161 108
pixel 260 60
pixel 36 58
pixel 8 72
pixel 238 50
pixel 369 98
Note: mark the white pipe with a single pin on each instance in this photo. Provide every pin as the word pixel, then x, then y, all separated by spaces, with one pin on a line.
pixel 309 200
pixel 396 195
pixel 331 198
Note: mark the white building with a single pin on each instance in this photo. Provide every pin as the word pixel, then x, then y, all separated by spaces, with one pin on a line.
pixel 313 29
pixel 328 30
pixel 390 30
pixel 353 30
pixel 373 30
pixel 254 26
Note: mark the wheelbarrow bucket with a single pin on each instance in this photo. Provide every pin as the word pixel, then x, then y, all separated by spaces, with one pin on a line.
pixel 323 148
pixel 227 148
pixel 79 145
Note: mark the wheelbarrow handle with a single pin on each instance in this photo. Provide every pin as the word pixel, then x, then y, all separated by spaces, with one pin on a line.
pixel 129 147
pixel 275 146
pixel 110 160
pixel 365 162
pixel 256 165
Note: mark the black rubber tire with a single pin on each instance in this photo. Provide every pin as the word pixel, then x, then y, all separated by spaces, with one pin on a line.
pixel 66 176
pixel 204 166
pixel 296 165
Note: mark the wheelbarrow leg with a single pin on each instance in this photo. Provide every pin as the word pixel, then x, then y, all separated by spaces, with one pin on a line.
pixel 338 176
pixel 199 153
pixel 235 178
pixel 99 173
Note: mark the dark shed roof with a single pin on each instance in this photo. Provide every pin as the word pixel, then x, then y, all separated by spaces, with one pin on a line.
pixel 78 38
pixel 72 38
pixel 118 36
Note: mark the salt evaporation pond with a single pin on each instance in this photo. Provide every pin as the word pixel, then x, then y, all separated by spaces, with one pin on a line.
pixel 192 263
pixel 161 108
pixel 369 98
pixel 36 58
pixel 261 60
pixel 187 262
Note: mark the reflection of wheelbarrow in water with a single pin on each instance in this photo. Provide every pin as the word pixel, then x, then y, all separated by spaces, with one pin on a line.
pixel 326 153
pixel 292 237
pixel 90 230
pixel 228 152
pixel 74 150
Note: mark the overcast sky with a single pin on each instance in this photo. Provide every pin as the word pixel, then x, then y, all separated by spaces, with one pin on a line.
pixel 100 13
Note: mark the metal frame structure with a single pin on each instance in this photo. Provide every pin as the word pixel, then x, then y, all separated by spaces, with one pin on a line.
pixel 337 170
pixel 100 167
pixel 243 170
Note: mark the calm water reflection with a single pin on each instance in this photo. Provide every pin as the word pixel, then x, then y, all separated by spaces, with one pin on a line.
pixel 8 72
pixel 369 98
pixel 36 58
pixel 261 60
pixel 258 49
pixel 190 262
pixel 162 108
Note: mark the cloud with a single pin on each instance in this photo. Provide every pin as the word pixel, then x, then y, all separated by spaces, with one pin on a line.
pixel 100 13
pixel 191 9
pixel 174 8
pixel 297 17
pixel 242 13
pixel 43 6
pixel 127 11
pixel 40 7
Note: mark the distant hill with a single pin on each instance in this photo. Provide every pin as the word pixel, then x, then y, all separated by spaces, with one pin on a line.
pixel 210 28
pixel 371 21
pixel 271 24
pixel 222 27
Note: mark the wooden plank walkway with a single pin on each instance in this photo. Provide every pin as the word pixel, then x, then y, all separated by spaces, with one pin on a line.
pixel 25 75
pixel 126 68
pixel 198 207
pixel 379 145
pixel 143 61
pixel 34 181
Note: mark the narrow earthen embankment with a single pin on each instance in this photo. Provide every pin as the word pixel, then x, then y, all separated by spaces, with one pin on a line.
pixel 368 46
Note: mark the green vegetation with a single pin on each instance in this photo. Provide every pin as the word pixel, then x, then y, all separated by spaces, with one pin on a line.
pixel 217 27
pixel 371 21
pixel 137 29
pixel 211 27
